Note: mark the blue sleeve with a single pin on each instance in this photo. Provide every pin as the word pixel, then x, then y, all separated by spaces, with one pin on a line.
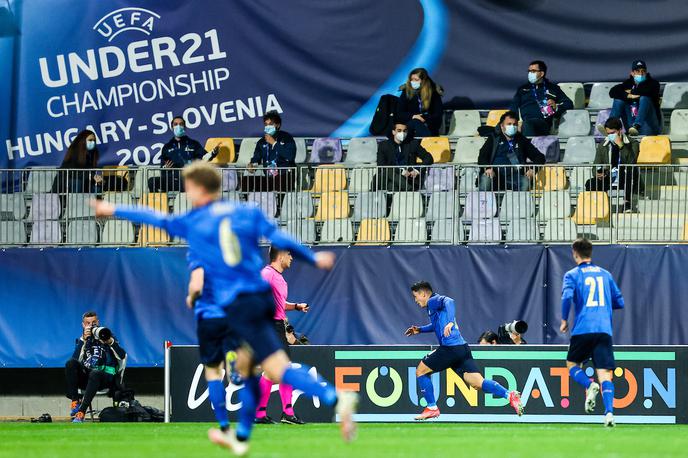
pixel 282 240
pixel 516 101
pixel 199 151
pixel 175 226
pixel 617 297
pixel 567 295
pixel 427 328
pixel 257 154
pixel 287 151
pixel 77 349
pixel 192 261
pixel 450 306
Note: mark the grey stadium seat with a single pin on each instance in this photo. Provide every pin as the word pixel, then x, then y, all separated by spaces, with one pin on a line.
pixel 370 205
pixel 296 205
pixel 44 207
pixel 480 205
pixel 181 204
pixel 360 178
pixel 119 198
pixel 486 230
pixel 83 232
pixel 675 96
pixel 12 233
pixel 362 150
pixel 40 180
pixel 447 231
pixel 78 206
pixel 574 123
pixel 561 230
pixel 336 231
pixel 555 205
pixel 679 125
pixel 442 205
pixel 46 232
pixel 246 150
pixel 266 201
pixel 467 150
pixel 580 150
pixel 303 230
pixel 12 206
pixel 117 232
pixel 522 230
pixel 411 231
pixel 464 123
pixel 517 205
pixel 406 205
pixel 599 96
pixel 575 92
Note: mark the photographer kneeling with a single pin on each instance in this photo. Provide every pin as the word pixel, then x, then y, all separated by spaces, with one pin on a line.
pixel 512 333
pixel 93 366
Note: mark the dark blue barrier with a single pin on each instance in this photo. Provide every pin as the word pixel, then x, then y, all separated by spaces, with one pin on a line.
pixel 364 300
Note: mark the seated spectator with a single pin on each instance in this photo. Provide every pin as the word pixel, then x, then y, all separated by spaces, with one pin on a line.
pixel 420 104
pixel 82 155
pixel 617 149
pixel 276 152
pixel 92 367
pixel 636 102
pixel 487 338
pixel 398 159
pixel 176 153
pixel 502 154
pixel 540 101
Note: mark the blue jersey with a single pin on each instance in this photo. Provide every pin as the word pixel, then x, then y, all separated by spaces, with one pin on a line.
pixel 594 294
pixel 442 311
pixel 224 239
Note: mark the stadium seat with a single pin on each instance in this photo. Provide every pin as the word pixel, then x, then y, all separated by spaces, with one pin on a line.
pixel 82 232
pixel 370 205
pixel 554 205
pixel 181 204
pixel 361 178
pixel 266 201
pixel 117 178
pixel 578 176
pixel 231 196
pixel 411 231
pixel 12 233
pixel 517 205
pixel 373 232
pixel 246 150
pixel 326 151
pixel 439 179
pixel 600 120
pixel 230 179
pixel 575 92
pixel 599 96
pixel 40 180
pixel 438 147
pixel 406 205
pixel 493 117
pixel 592 207
pixel 226 154
pixel 336 231
pixel 329 178
pixel 141 177
pixel 301 150
pixel 549 146
pixel 46 233
pixel 678 130
pixel 467 150
pixel 296 205
pixel 468 179
pixel 447 231
pixel 117 232
pixel 579 150
pixel 12 206
pixel 119 198
pixel 486 231
pixel 655 149
pixel 148 235
pixel 574 123
pixel 551 178
pixel 303 229
pixel 522 230
pixel 78 206
pixel 675 96
pixel 44 207
pixel 333 205
pixel 362 150
pixel 442 205
pixel 480 205
pixel 464 123
pixel 560 230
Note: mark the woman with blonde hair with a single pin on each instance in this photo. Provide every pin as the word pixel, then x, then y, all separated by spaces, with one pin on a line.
pixel 420 104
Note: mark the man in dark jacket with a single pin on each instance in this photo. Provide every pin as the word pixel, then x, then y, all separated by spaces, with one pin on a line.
pixel 276 152
pixel 502 155
pixel 398 160
pixel 636 102
pixel 540 101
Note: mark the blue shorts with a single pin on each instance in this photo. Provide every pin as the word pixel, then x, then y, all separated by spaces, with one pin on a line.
pixel 251 318
pixel 457 357
pixel 214 340
pixel 596 346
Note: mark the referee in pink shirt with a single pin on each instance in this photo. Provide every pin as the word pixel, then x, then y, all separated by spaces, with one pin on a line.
pixel 272 273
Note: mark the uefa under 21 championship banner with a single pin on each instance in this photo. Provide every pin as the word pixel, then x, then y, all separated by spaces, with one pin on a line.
pixel 650 385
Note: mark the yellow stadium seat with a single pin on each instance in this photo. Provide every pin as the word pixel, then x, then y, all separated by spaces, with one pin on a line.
pixel 655 149
pixel 329 178
pixel 333 205
pixel 493 117
pixel 438 147
pixel 593 207
pixel 685 232
pixel 151 236
pixel 373 232
pixel 227 154
pixel 551 178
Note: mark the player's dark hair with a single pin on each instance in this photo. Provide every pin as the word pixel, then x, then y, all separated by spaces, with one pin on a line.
pixel 204 175
pixel 273 116
pixel 88 314
pixel 508 114
pixel 541 65
pixel 583 247
pixel 421 285
pixel 273 253
pixel 488 336
pixel 613 123
pixel 177 117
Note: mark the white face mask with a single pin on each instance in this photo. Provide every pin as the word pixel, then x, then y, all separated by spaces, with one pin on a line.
pixel 400 136
pixel 532 77
pixel 415 85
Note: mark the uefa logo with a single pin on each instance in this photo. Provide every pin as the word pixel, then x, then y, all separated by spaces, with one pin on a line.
pixel 124 19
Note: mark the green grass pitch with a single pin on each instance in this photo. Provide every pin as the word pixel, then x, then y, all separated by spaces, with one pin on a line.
pixel 25 440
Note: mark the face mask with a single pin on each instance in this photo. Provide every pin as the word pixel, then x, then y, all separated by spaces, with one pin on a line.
pixel 415 85
pixel 511 130
pixel 270 130
pixel 178 131
pixel 611 137
pixel 90 145
pixel 638 78
pixel 532 77
pixel 400 136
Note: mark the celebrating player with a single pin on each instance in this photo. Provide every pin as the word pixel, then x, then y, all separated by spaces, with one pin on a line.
pixel 453 352
pixel 225 238
pixel 595 294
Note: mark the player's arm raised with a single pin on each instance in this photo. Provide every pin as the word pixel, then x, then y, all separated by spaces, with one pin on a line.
pixel 173 225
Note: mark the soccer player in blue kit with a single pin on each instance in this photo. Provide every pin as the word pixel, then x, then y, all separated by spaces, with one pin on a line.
pixel 232 301
pixel 453 352
pixel 594 294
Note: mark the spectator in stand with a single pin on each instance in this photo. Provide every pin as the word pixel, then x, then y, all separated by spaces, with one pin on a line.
pixel 616 150
pixel 540 101
pixel 487 338
pixel 636 102
pixel 176 153
pixel 276 152
pixel 502 156
pixel 78 176
pixel 398 157
pixel 420 104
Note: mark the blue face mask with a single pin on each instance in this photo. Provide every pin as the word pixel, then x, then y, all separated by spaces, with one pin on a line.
pixel 639 78
pixel 179 131
pixel 511 130
pixel 532 77
pixel 90 145
pixel 612 137
pixel 270 130
pixel 415 85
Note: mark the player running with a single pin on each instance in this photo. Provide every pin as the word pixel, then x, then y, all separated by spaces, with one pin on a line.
pixel 453 352
pixel 594 294
pixel 224 238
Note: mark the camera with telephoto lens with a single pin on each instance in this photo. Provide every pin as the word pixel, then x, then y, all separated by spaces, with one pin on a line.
pixel 101 333
pixel 515 327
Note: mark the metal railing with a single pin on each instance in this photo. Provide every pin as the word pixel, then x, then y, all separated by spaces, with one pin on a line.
pixel 339 204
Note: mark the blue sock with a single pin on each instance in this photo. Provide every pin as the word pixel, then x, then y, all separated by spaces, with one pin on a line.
pixel 495 389
pixel 216 393
pixel 579 376
pixel 249 401
pixel 426 390
pixel 608 396
pixel 300 379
